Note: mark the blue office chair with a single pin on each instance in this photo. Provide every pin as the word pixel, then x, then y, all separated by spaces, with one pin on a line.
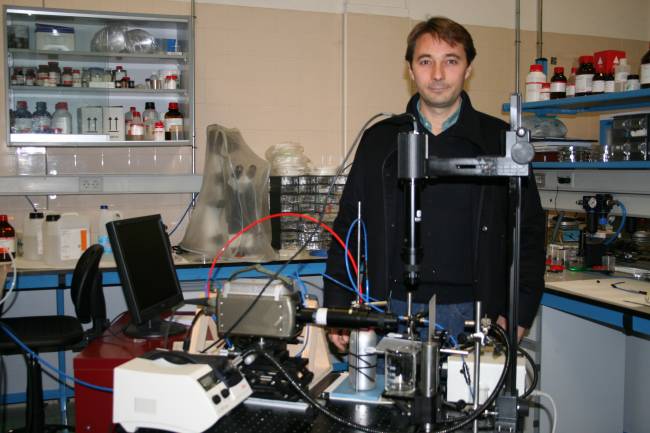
pixel 58 333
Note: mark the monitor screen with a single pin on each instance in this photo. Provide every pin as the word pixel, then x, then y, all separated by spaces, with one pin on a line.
pixel 144 261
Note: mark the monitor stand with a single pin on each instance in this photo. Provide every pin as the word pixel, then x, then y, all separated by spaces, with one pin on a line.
pixel 155 328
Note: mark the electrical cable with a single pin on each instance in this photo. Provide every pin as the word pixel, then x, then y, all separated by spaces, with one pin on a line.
pixel 47 364
pixel 543 394
pixel 31 203
pixel 457 424
pixel 188 335
pixel 488 402
pixel 14 277
pixel 620 226
pixel 535 368
pixel 366 298
pixel 189 206
pixel 347 249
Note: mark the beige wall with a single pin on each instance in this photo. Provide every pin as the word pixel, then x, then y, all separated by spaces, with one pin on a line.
pixel 277 75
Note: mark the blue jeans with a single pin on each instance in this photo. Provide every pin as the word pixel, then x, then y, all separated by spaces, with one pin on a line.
pixel 450 316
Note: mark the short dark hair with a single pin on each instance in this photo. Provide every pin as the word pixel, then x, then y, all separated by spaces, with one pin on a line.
pixel 443 29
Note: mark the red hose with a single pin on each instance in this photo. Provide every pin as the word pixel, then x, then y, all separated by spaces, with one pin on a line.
pixel 266 218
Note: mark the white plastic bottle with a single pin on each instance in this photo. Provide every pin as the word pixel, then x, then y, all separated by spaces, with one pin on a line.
pixel 106 215
pixel 621 72
pixel 66 238
pixel 534 81
pixel 62 119
pixel 33 236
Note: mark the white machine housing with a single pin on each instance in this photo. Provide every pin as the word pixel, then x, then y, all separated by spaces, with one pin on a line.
pixel 183 398
pixel 490 370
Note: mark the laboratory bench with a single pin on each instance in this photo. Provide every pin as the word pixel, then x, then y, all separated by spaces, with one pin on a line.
pixel 591 340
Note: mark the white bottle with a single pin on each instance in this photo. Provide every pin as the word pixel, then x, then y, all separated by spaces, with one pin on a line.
pixel 66 238
pixel 106 215
pixel 62 119
pixel 621 72
pixel 534 81
pixel 33 236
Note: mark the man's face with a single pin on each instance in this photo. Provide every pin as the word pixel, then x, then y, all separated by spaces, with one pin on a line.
pixel 439 71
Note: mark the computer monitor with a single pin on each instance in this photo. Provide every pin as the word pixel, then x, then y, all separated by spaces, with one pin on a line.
pixel 144 260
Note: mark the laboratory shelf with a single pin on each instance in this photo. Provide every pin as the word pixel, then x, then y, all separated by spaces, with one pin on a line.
pixel 585 104
pixel 25 54
pixel 611 165
pixel 88 140
pixel 96 91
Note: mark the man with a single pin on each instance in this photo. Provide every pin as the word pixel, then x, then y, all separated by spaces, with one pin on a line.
pixel 464 229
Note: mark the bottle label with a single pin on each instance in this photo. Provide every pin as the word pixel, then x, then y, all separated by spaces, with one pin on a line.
pixel 73 243
pixel 583 83
pixel 533 91
pixel 621 76
pixel 136 129
pixel 171 122
pixel 558 87
pixel 570 90
pixel 23 125
pixel 645 73
pixel 610 86
pixel 8 245
pixel 598 86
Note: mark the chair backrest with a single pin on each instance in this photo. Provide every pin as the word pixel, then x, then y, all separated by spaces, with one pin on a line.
pixel 87 291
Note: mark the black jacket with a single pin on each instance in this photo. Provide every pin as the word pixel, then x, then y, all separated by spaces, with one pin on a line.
pixel 373 181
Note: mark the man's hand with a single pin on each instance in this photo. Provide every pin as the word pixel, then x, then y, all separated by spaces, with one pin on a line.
pixel 340 338
pixel 501 321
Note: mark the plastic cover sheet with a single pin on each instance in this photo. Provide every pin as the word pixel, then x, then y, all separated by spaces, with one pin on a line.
pixel 234 193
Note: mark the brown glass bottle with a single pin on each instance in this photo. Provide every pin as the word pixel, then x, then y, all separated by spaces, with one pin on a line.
pixel 174 123
pixel 558 83
pixel 598 83
pixel 7 239
pixel 585 76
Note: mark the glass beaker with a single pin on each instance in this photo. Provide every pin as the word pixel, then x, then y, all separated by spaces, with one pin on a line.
pixel 400 371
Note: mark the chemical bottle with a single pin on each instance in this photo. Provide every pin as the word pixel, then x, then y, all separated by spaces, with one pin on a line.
pixel 33 236
pixel 610 84
pixel 645 70
pixel 23 118
pixel 558 83
pixel 42 76
pixel 136 128
pixel 149 118
pixel 54 74
pixel 545 93
pixel 66 77
pixel 7 239
pixel 173 123
pixel 534 81
pixel 598 82
pixel 621 72
pixel 128 116
pixel 66 238
pixel 41 119
pixel 159 131
pixel 62 119
pixel 571 84
pixel 106 215
pixel 585 76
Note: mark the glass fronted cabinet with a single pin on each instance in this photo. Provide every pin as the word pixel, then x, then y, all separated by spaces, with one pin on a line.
pixel 94 79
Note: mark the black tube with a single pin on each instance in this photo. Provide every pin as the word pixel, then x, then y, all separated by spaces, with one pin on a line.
pixel 348 318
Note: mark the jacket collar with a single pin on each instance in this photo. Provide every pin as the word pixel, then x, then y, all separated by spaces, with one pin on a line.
pixel 467 127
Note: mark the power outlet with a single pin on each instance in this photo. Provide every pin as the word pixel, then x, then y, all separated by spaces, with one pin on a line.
pixel 91 184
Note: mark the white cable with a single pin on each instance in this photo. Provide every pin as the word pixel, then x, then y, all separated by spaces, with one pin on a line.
pixel 13 279
pixel 543 394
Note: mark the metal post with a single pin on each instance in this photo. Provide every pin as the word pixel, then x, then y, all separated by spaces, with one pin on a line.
pixel 513 296
pixel 477 361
